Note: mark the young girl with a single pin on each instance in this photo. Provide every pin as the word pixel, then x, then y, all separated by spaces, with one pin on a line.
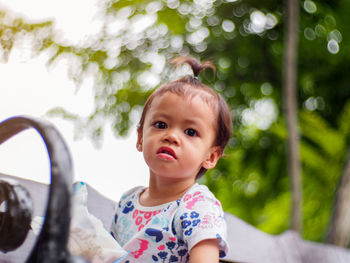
pixel 183 131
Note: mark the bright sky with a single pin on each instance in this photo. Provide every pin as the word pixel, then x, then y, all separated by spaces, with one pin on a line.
pixel 29 87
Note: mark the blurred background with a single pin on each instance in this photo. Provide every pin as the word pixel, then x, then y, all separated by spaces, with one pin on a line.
pixel 32 86
pixel 88 66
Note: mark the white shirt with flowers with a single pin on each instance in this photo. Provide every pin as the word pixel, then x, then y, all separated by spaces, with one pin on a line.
pixel 166 233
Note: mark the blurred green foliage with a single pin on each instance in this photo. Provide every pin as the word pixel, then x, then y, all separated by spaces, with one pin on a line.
pixel 245 39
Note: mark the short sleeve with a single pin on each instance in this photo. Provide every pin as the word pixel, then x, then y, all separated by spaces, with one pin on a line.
pixel 200 217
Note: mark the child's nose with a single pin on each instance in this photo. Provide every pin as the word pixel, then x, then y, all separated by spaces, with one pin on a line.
pixel 171 137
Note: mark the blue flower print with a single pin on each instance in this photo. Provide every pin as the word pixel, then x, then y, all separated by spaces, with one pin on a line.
pixel 182 253
pixel 183 216
pixel 167 208
pixel 180 243
pixel 194 214
pixel 188 232
pixel 170 246
pixel 195 222
pixel 128 207
pixel 174 259
pixel 185 223
pixel 154 258
pixel 163 255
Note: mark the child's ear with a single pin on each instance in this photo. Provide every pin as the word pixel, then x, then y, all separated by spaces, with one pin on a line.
pixel 139 140
pixel 212 158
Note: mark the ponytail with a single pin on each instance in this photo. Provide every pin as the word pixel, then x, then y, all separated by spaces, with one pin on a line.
pixel 196 66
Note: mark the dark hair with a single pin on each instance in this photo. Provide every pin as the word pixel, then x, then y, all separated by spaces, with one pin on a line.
pixel 191 86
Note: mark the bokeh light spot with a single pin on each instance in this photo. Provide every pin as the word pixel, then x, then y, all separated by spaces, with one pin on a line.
pixel 310 6
pixel 261 114
pixel 224 63
pixel 228 25
pixel 336 35
pixel 333 46
pixel 266 89
pixel 320 30
pixel 309 34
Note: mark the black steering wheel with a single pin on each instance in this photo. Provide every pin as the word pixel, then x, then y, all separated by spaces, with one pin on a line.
pixel 15 217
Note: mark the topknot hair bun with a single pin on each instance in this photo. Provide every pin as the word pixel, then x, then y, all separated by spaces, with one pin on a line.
pixel 196 66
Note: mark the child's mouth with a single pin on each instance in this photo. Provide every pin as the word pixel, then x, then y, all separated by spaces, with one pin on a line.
pixel 166 153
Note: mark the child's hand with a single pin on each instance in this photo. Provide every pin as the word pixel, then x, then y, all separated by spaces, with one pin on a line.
pixel 206 251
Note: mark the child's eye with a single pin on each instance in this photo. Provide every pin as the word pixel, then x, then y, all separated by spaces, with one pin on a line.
pixel 191 132
pixel 160 125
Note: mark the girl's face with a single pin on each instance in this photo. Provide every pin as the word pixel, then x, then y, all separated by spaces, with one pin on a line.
pixel 177 136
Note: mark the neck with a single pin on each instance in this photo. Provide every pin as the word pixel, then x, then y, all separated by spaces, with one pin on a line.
pixel 164 190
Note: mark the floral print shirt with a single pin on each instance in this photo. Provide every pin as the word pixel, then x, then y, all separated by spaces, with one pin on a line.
pixel 166 233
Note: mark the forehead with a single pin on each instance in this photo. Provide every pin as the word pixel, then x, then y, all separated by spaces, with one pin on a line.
pixel 190 92
pixel 191 108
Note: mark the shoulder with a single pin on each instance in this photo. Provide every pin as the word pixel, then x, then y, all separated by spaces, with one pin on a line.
pixel 129 196
pixel 199 204
pixel 200 217
pixel 131 192
pixel 198 195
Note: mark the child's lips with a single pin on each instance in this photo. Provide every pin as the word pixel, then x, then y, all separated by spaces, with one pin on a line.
pixel 166 153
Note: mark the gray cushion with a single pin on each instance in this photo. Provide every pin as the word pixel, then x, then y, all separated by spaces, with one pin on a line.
pixel 249 244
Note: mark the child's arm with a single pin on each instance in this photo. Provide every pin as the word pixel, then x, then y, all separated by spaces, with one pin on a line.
pixel 205 251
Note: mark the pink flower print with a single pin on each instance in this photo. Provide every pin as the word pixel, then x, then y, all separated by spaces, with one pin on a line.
pixel 161 247
pixel 134 215
pixel 187 197
pixel 156 212
pixel 141 227
pixel 217 203
pixel 172 238
pixel 196 193
pixel 148 215
pixel 142 216
pixel 143 246
pixel 209 220
pixel 217 221
pixel 138 220
pixel 206 222
pixel 194 200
